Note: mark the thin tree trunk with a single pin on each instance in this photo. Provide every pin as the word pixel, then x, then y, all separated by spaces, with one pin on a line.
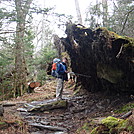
pixel 105 12
pixel 58 45
pixel 78 11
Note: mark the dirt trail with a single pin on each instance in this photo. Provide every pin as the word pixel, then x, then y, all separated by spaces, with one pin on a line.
pixel 81 108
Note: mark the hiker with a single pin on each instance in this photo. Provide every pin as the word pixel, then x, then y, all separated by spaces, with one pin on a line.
pixel 54 66
pixel 72 77
pixel 61 71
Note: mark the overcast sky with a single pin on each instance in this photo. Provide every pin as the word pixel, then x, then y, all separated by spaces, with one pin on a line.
pixel 66 6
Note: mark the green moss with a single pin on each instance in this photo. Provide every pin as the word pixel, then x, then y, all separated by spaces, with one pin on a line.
pixel 19 122
pixel 110 122
pixel 130 128
pixel 86 127
pixel 55 104
pixel 2 123
pixel 110 34
pixel 109 73
pixel 100 130
pixel 124 125
pixel 111 125
pixel 49 106
pixel 131 41
pixel 94 131
pixel 61 103
pixel 125 108
pixel 113 35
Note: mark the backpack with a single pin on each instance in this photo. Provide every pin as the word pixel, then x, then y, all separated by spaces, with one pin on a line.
pixel 60 69
pixel 53 70
pixel 57 68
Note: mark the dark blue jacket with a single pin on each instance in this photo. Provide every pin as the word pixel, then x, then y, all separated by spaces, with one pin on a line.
pixel 60 70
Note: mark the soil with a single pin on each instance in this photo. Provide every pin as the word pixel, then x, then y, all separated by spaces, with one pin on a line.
pixel 82 108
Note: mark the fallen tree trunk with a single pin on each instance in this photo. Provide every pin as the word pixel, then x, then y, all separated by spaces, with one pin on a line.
pixel 58 104
pixel 105 56
pixel 32 86
pixel 126 115
pixel 52 128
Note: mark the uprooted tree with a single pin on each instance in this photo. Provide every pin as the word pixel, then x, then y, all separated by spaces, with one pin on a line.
pixel 102 54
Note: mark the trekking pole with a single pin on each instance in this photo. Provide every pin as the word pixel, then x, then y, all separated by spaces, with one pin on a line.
pixel 83 75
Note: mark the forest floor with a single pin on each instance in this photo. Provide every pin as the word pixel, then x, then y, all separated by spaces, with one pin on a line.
pixel 84 111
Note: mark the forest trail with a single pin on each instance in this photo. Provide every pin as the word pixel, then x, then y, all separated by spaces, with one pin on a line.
pixel 81 109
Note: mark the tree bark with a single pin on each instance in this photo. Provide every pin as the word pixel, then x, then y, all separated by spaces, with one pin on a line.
pixel 58 45
pixel 20 77
pixel 105 12
pixel 78 12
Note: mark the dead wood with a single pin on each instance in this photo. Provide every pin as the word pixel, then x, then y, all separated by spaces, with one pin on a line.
pixel 33 85
pixel 58 104
pixel 126 115
pixel 53 128
pixel 101 54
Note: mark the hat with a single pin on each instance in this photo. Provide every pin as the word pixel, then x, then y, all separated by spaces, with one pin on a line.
pixel 56 60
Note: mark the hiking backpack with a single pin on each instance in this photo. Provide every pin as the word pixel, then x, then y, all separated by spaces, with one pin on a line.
pixel 57 68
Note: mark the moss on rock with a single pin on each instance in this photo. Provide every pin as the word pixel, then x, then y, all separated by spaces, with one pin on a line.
pixel 110 122
pixel 125 108
pixel 112 125
pixel 101 129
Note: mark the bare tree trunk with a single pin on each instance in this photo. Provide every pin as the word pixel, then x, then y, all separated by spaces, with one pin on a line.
pixel 20 78
pixel 58 45
pixel 78 11
pixel 105 12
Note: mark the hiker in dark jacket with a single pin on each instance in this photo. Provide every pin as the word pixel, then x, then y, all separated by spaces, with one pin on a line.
pixel 61 77
pixel 65 77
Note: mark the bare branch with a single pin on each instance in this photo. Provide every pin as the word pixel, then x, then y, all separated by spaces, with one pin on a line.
pixel 6 32
pixel 126 20
pixel 115 5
